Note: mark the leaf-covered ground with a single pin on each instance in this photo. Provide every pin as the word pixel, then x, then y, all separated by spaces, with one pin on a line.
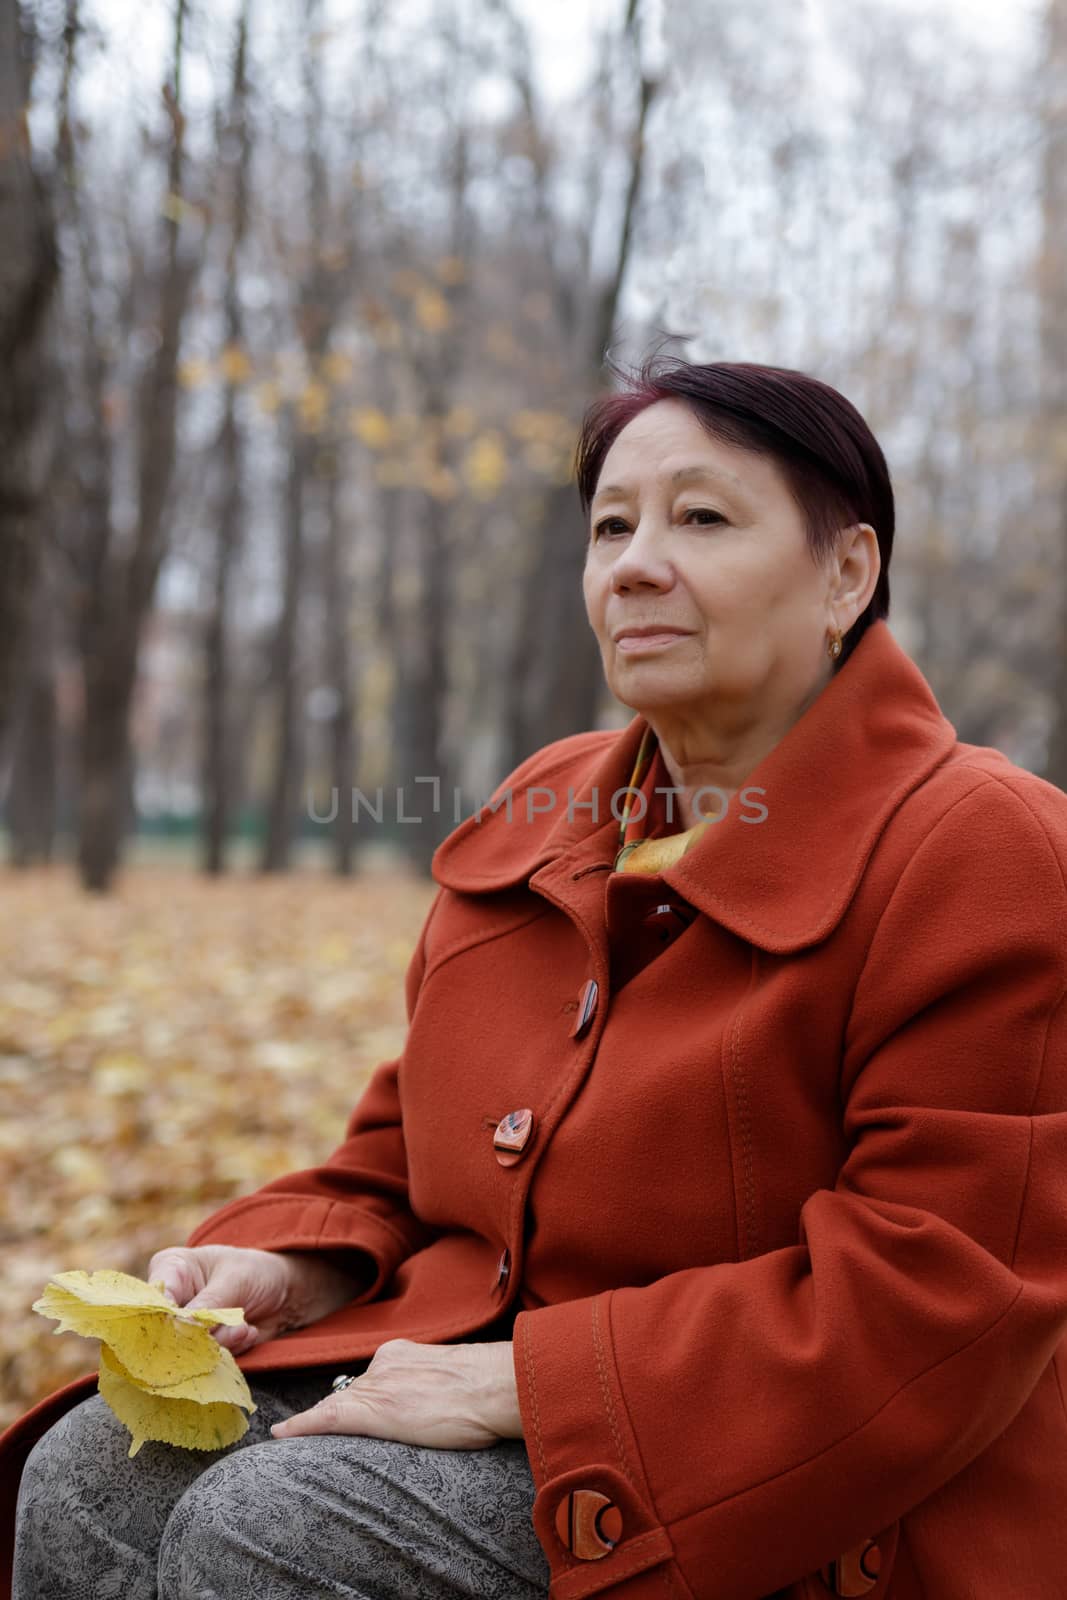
pixel 165 1049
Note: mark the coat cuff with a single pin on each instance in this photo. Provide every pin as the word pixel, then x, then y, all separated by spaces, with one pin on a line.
pixel 596 1523
pixel 284 1222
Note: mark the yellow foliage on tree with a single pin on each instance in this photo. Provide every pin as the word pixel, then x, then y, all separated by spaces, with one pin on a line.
pixel 234 365
pixel 485 466
pixel 336 367
pixel 268 396
pixel 432 310
pixel 194 372
pixel 313 406
pixel 371 426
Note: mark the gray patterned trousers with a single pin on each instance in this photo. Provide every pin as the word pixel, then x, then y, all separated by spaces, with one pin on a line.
pixel 330 1515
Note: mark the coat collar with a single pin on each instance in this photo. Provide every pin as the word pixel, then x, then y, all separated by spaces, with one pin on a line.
pixel 829 787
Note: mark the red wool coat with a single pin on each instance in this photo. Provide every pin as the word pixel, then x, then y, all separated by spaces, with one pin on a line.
pixel 785 1252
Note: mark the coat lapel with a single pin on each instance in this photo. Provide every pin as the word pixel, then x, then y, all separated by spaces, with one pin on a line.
pixel 828 788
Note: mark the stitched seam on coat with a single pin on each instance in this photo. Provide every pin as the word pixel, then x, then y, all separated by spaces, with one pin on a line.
pixel 420 956
pixel 834 1444
pixel 1044 1051
pixel 609 1402
pixel 935 828
pixel 255 1202
pixel 641 1480
pixel 470 941
pixel 725 1073
pixel 1002 779
pixel 748 1179
pixel 635 1562
pixel 348 1206
pixel 959 801
pixel 532 1382
pixel 1022 1197
pixel 1059 1386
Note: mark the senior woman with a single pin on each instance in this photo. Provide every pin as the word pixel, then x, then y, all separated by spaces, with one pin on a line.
pixel 709 1237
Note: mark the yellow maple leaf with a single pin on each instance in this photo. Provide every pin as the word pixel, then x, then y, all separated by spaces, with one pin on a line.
pixel 157 1342
pixel 188 1415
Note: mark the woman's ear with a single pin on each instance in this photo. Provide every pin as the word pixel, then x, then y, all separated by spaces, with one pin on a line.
pixel 859 564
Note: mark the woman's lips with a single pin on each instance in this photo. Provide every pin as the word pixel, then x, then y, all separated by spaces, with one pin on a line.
pixel 631 642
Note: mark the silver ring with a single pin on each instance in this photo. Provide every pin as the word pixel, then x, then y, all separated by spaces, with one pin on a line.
pixel 342 1381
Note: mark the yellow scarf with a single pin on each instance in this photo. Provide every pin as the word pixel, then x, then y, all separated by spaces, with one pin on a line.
pixel 635 853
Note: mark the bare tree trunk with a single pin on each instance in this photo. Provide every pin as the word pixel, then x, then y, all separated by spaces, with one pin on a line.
pixel 218 759
pixel 289 742
pixel 420 697
pixel 105 760
pixel 339 673
pixel 120 605
pixel 315 313
pixel 32 795
pixel 27 279
pixel 217 762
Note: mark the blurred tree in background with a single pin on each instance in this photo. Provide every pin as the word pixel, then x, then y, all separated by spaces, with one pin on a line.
pixel 27 277
pixel 337 281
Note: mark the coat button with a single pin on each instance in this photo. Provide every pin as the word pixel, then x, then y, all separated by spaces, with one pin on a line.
pixel 589 1524
pixel 856 1572
pixel 503 1269
pixel 587 1000
pixel 512 1134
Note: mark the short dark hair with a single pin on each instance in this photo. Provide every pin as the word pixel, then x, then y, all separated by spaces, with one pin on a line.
pixel 827 454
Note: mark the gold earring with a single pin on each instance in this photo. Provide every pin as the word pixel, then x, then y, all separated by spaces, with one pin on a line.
pixel 833 649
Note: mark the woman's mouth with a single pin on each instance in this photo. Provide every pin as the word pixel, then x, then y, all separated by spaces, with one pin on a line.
pixel 634 642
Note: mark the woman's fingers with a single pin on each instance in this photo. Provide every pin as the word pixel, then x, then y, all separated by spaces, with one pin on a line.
pixel 203 1280
pixel 177 1272
pixel 237 1340
pixel 416 1394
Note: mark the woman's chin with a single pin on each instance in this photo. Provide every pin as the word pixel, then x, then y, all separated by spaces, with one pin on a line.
pixel 648 698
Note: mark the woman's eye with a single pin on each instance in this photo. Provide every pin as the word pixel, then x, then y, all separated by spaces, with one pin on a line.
pixel 611 525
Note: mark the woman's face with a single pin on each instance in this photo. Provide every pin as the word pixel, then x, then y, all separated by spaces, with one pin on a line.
pixel 699 584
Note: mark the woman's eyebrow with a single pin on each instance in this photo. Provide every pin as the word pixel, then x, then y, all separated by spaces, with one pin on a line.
pixel 680 475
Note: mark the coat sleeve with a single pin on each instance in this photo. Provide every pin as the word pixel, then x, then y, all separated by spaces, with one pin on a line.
pixel 356 1204
pixel 757 1418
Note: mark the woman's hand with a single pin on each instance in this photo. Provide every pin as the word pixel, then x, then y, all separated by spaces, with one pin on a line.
pixel 277 1289
pixel 447 1396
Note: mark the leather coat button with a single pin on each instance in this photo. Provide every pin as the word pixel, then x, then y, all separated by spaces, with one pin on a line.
pixel 587 1000
pixel 589 1524
pixel 856 1572
pixel 512 1134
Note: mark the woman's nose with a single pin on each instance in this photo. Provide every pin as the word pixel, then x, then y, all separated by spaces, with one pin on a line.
pixel 643 563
